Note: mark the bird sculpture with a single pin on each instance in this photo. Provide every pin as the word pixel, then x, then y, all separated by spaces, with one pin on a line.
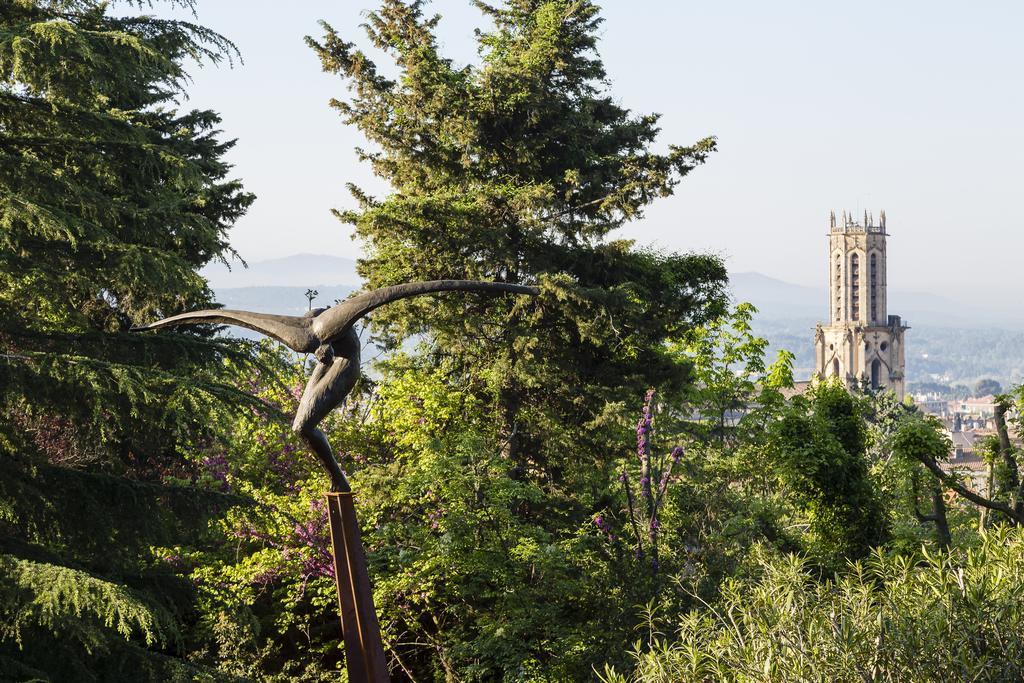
pixel 330 334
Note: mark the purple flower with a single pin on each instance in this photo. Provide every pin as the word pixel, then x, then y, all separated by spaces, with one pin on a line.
pixel 435 518
pixel 677 453
pixel 604 525
pixel 266 577
pixel 284 466
pixel 643 428
pixel 313 536
pixel 217 467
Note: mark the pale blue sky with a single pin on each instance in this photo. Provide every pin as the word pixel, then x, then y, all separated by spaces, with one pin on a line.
pixel 914 107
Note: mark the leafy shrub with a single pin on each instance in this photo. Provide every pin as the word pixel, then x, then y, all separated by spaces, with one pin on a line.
pixel 822 453
pixel 930 617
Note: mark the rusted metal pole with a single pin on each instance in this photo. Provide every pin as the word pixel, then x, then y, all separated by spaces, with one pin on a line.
pixel 364 650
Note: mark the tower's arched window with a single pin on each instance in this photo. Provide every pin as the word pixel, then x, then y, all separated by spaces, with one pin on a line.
pixel 876 373
pixel 835 367
pixel 854 287
pixel 838 288
pixel 874 287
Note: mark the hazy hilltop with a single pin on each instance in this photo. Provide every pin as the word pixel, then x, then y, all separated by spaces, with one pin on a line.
pixel 298 270
pixel 778 301
pixel 949 341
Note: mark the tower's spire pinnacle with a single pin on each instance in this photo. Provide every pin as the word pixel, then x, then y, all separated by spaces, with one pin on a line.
pixel 882 220
pixel 832 219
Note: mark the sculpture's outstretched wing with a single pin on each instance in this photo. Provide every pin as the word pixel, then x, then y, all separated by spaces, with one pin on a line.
pixel 335 320
pixel 292 331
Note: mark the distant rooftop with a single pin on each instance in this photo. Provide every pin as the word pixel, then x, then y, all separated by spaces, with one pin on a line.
pixel 979 401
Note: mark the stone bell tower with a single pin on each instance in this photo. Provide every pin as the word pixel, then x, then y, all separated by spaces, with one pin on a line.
pixel 861 344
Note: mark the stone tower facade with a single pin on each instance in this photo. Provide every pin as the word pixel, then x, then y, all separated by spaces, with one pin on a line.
pixel 861 343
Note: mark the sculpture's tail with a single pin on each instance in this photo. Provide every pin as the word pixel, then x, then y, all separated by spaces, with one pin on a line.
pixel 294 332
pixel 334 320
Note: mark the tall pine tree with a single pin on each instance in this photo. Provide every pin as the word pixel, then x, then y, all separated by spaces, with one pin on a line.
pixel 519 167
pixel 111 198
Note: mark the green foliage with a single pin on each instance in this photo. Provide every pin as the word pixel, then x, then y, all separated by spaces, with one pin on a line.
pixel 735 393
pixel 474 579
pixel 731 494
pixel 821 445
pixel 515 530
pixel 477 574
pixel 921 437
pixel 51 614
pixel 898 435
pixel 73 605
pixel 930 617
pixel 110 200
pixel 518 168
pixel 265 600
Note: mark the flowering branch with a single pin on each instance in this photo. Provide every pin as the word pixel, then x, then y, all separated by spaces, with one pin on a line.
pixel 644 506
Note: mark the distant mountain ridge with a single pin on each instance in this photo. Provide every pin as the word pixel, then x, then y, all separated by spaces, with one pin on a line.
pixel 282 300
pixel 777 300
pixel 948 341
pixel 297 270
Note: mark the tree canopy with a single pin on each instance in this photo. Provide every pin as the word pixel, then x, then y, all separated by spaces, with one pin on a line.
pixel 517 168
pixel 111 198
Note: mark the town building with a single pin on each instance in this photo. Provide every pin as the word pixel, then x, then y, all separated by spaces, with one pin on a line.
pixel 966 458
pixel 861 344
pixel 981 407
pixel 932 404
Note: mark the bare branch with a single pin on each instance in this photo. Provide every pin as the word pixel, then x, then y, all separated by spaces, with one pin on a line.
pixel 951 482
